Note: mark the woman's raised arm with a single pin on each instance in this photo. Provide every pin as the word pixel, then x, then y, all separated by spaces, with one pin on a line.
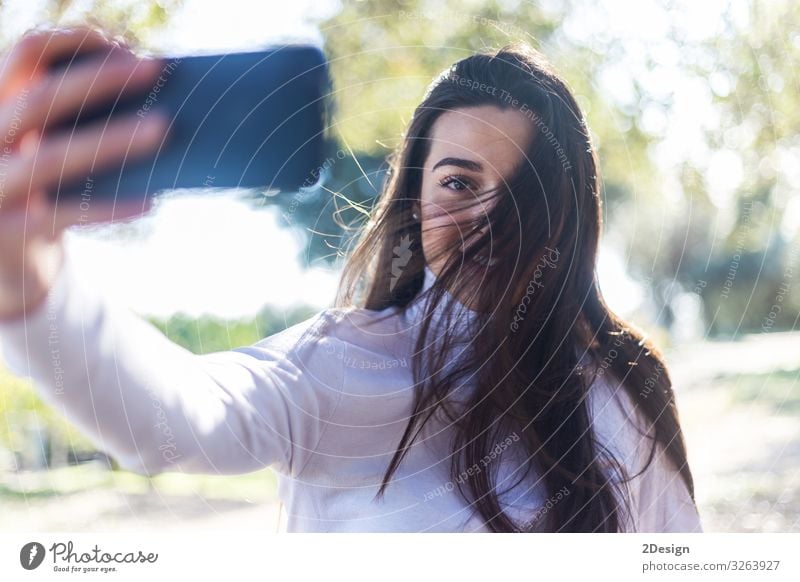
pixel 149 402
pixel 156 406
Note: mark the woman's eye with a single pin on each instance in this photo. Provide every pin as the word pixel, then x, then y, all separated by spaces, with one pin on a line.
pixel 455 183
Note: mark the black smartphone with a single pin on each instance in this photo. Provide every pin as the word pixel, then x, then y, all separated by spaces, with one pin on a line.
pixel 236 120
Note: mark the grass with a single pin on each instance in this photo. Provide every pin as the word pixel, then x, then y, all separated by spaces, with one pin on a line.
pixel 259 486
pixel 779 389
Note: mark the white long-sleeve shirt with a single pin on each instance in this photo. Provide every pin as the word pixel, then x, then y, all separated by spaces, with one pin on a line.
pixel 323 402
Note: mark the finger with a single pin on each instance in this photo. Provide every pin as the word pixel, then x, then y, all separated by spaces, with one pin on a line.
pixel 37 49
pixel 77 88
pixel 71 156
pixel 20 223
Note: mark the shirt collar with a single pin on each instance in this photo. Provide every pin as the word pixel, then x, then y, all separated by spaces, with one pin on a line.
pixel 416 309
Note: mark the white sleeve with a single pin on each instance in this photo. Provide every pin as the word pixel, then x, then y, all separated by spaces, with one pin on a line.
pixel 154 405
pixel 663 503
pixel 659 499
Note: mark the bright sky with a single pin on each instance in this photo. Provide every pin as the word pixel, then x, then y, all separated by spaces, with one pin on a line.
pixel 214 254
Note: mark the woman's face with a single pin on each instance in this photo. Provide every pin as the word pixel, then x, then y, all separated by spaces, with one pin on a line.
pixel 472 149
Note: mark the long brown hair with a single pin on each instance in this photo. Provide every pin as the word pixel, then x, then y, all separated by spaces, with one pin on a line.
pixel 539 308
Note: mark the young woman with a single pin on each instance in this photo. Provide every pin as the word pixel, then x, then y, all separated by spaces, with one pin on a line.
pixel 471 377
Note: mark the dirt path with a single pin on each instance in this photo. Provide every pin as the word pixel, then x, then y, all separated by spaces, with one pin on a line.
pixel 108 510
pixel 745 456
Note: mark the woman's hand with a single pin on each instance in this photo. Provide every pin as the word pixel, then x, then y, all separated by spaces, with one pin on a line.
pixel 33 98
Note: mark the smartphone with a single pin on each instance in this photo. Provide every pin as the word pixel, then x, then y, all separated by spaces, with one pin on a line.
pixel 236 120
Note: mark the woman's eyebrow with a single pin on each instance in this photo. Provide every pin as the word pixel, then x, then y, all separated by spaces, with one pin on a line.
pixel 461 163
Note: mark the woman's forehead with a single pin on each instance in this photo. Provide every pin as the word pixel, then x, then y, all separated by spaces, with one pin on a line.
pixel 495 138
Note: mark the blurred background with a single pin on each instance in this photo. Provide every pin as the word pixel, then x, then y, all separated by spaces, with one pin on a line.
pixel 695 110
